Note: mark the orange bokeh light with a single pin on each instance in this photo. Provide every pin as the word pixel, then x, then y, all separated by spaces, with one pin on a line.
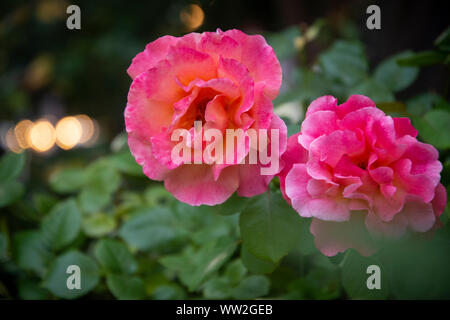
pixel 68 132
pixel 42 136
pixel 192 17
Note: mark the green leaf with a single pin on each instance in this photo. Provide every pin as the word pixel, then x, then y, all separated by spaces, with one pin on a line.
pixel 269 227
pixel 30 251
pixel 306 245
pixel 217 288
pixel 312 84
pixel 169 292
pixel 375 90
pixel 125 163
pixel 393 76
pixel 256 265
pixel 318 284
pixel 418 269
pixel 345 61
pixel 193 267
pixel 44 202
pixel 115 257
pixel 235 271
pixel 67 180
pixel 203 224
pixel 283 43
pixel 92 200
pixel 209 232
pixel 126 287
pixel 102 176
pixel 32 290
pixel 157 196
pixel 425 58
pixel 293 129
pixel 98 225
pixel 354 277
pixel 10 192
pixel 252 287
pixel 102 180
pixel 443 41
pixel 422 103
pixel 152 229
pixel 432 126
pixel 62 225
pixel 233 205
pixel 11 165
pixel 57 276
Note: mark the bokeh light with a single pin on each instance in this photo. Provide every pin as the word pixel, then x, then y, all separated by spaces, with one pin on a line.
pixel 48 11
pixel 38 72
pixel 42 136
pixel 11 142
pixel 87 128
pixel 21 133
pixel 68 132
pixel 192 17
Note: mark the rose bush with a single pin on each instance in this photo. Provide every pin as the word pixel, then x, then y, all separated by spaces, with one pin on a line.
pixel 227 80
pixel 93 207
pixel 360 174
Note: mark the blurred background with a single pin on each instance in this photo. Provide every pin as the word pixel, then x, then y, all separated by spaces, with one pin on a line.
pixel 63 93
pixel 48 71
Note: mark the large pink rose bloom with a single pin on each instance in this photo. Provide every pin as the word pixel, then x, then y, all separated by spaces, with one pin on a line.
pixel 227 80
pixel 360 175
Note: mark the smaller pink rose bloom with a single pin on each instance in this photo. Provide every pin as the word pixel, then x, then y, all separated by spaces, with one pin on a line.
pixel 360 175
pixel 224 80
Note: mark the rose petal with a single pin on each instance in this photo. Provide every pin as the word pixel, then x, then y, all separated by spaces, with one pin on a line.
pixel 195 185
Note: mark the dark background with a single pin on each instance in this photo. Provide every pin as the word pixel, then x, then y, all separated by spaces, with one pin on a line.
pixel 89 65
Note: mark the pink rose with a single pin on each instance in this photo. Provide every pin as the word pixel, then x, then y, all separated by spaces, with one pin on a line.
pixel 360 174
pixel 226 80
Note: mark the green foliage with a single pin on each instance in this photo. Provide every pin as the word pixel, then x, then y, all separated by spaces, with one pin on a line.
pixel 115 257
pixel 427 277
pixel 443 41
pixel 251 287
pixel 269 227
pixel 31 252
pixel 440 55
pixel 283 42
pixel 133 240
pixel 126 287
pixel 375 90
pixel 346 62
pixel 169 292
pixel 30 289
pixel 10 192
pixel 11 166
pixel 233 205
pixel 56 278
pixel 255 264
pixel 125 163
pixel 393 76
pixel 101 181
pixel 152 229
pixel 62 225
pixel 432 125
pixel 98 225
pixel 193 266
pixel 234 283
pixel 354 277
pixel 68 180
